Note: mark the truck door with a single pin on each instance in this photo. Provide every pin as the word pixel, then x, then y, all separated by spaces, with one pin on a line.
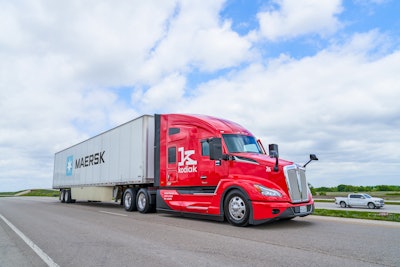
pixel 355 200
pixel 210 171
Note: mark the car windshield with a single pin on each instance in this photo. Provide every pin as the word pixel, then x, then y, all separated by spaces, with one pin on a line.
pixel 237 143
pixel 367 196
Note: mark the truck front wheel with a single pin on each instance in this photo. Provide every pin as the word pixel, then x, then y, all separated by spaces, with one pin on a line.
pixel 237 208
pixel 371 205
pixel 130 199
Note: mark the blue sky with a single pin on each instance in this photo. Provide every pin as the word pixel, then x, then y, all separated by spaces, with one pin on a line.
pixel 313 76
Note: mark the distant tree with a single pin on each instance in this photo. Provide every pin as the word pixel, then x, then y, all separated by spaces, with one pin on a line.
pixel 341 188
pixel 312 189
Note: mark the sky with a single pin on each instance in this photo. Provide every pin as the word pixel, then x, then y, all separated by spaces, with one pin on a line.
pixel 313 76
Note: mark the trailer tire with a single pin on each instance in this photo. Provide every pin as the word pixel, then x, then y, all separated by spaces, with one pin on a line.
pixel 130 200
pixel 237 208
pixel 62 196
pixel 67 196
pixel 143 201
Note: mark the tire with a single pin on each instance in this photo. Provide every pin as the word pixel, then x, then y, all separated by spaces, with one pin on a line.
pixel 343 204
pixel 62 195
pixel 143 201
pixel 67 196
pixel 130 200
pixel 371 205
pixel 237 208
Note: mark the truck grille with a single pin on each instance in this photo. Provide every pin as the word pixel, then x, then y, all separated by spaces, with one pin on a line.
pixel 296 183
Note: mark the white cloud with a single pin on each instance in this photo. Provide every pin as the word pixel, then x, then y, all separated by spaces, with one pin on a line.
pixel 339 105
pixel 65 65
pixel 198 40
pixel 295 18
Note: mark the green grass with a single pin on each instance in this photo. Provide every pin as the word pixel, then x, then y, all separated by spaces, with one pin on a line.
pixel 43 193
pixel 33 193
pixel 381 216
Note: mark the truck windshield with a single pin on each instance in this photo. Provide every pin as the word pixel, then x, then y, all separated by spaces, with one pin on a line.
pixel 237 143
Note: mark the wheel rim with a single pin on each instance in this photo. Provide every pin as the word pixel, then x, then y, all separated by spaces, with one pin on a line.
pixel 141 201
pixel 237 208
pixel 128 200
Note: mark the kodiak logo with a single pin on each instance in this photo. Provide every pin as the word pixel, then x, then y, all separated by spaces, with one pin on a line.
pixel 186 164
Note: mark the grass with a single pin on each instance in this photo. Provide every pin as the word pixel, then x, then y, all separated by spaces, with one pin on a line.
pixel 33 193
pixel 381 216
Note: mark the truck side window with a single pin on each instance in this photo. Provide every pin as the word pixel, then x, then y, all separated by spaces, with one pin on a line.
pixel 171 155
pixel 172 131
pixel 205 148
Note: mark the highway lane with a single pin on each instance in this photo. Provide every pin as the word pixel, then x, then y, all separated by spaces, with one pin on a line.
pixel 103 234
pixel 333 206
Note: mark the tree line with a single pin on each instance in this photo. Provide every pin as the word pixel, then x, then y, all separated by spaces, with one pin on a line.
pixel 354 188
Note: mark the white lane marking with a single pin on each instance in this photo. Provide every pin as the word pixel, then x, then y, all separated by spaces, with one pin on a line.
pixel 49 261
pixel 112 213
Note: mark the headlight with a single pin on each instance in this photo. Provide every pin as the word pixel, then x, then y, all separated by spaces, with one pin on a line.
pixel 265 191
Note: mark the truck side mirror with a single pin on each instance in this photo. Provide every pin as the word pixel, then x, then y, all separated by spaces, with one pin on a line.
pixel 312 157
pixel 273 150
pixel 274 153
pixel 215 148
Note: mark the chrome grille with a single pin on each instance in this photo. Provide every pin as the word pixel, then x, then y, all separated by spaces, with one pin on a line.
pixel 296 183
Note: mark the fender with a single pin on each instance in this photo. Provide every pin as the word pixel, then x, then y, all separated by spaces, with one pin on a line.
pixel 222 200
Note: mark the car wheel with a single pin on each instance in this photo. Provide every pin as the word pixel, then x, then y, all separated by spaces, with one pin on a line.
pixel 371 205
pixel 343 204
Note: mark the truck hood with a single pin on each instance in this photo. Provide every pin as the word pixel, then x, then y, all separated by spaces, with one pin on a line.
pixel 261 159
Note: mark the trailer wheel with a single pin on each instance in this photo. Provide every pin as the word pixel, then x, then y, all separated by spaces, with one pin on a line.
pixel 67 196
pixel 62 195
pixel 343 204
pixel 143 201
pixel 130 200
pixel 237 208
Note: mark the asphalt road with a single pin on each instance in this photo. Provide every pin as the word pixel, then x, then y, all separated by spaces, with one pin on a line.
pixel 103 234
pixel 333 206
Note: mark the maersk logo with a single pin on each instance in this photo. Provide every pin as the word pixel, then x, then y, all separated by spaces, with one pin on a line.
pixel 69 165
pixel 90 160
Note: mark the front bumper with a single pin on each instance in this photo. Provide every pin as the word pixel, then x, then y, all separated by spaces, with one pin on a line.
pixel 270 211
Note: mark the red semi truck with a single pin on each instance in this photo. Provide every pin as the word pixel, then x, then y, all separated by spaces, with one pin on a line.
pixel 191 165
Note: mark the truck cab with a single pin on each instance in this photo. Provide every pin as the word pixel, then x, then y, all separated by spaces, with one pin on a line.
pixel 205 166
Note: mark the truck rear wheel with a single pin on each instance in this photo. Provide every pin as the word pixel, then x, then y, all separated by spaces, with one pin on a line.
pixel 237 208
pixel 343 204
pixel 143 201
pixel 130 199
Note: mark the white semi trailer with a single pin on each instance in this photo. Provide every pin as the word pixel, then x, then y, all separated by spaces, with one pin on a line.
pixel 99 168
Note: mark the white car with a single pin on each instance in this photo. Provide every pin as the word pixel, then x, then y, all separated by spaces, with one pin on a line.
pixel 360 200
